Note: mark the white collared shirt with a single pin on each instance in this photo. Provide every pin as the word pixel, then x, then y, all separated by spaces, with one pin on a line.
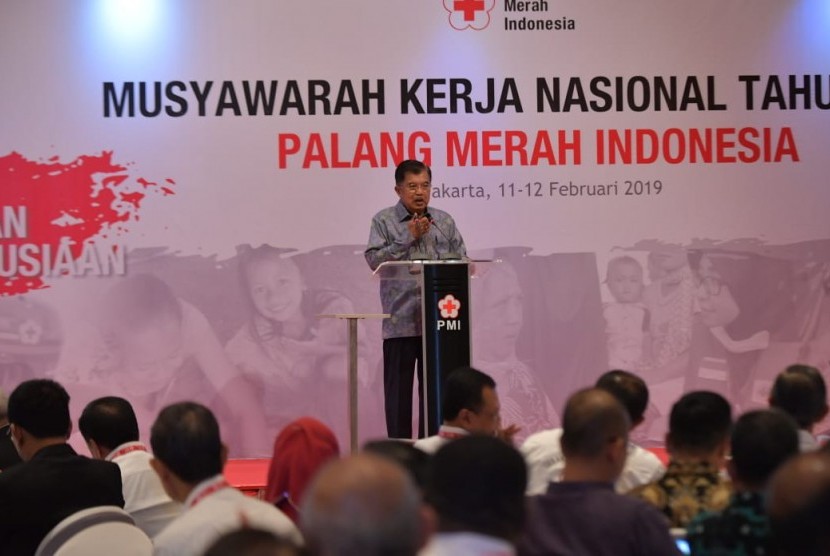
pixel 144 497
pixel 545 462
pixel 446 433
pixel 806 441
pixel 212 509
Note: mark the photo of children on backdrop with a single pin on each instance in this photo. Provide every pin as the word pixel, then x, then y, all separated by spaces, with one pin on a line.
pixel 284 347
pixel 672 328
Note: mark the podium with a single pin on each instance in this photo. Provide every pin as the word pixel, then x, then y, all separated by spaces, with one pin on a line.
pixel 444 286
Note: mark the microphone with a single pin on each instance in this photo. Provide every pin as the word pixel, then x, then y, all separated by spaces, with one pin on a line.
pixel 451 255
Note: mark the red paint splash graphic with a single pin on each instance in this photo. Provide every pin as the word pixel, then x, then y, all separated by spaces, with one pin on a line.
pixel 87 199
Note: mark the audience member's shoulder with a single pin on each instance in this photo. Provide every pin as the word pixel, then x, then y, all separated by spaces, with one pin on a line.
pixel 645 464
pixel 430 444
pixel 645 456
pixel 720 495
pixel 654 493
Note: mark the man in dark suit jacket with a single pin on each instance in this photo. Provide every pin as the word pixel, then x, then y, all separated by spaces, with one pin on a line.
pixel 8 453
pixel 53 481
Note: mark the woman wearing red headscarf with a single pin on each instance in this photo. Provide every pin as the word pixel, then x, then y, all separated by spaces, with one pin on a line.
pixel 300 449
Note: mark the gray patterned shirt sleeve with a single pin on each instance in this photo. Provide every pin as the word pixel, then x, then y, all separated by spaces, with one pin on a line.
pixel 390 240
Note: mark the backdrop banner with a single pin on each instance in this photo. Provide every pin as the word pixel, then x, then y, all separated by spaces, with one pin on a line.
pixel 187 185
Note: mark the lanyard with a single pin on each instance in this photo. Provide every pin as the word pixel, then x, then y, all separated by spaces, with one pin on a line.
pixel 218 485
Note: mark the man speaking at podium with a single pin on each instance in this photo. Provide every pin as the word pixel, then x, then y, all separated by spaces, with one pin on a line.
pixel 410 230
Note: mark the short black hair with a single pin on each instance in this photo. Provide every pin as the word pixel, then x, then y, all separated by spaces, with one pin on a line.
pixel 463 390
pixel 406 455
pixel 761 441
pixel 699 421
pixel 629 389
pixel 41 407
pixel 109 421
pixel 591 419
pixel 185 438
pixel 411 167
pixel 477 483
pixel 800 391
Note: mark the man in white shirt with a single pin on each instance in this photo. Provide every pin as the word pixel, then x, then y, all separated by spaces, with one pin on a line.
pixel 470 405
pixel 476 485
pixel 110 429
pixel 543 452
pixel 189 457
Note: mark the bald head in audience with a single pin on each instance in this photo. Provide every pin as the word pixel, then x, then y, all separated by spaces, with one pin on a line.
pixel 366 505
pixel 798 505
pixel 595 429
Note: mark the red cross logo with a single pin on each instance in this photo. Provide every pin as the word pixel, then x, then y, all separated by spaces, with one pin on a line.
pixel 449 307
pixel 469 14
pixel 468 8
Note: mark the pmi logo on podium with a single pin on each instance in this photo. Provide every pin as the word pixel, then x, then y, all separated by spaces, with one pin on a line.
pixel 449 307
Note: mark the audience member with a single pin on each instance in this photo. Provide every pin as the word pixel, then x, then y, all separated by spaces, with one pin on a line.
pixel 582 514
pixel 365 505
pixel 469 405
pixel 8 453
pixel 300 449
pixel 543 452
pixel 476 485
pixel 253 542
pixel 697 442
pixel 404 454
pixel 800 391
pixel 53 481
pixel 798 505
pixel 189 457
pixel 110 429
pixel 761 442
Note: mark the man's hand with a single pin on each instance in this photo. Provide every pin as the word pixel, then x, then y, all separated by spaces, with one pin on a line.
pixel 418 226
pixel 508 433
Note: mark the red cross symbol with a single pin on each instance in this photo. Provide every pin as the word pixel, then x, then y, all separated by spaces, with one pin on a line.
pixel 449 307
pixel 469 7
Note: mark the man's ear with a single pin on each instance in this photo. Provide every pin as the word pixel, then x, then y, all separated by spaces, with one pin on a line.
pixel 223 455
pixel 165 476
pixel 17 436
pixel 668 443
pixel 160 469
pixel 428 523
pixel 730 469
pixel 69 430
pixel 617 449
pixel 462 420
pixel 94 449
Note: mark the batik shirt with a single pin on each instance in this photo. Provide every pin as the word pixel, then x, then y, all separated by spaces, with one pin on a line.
pixel 741 529
pixel 686 490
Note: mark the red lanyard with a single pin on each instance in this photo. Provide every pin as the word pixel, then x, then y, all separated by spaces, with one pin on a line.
pixel 450 435
pixel 126 450
pixel 219 485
